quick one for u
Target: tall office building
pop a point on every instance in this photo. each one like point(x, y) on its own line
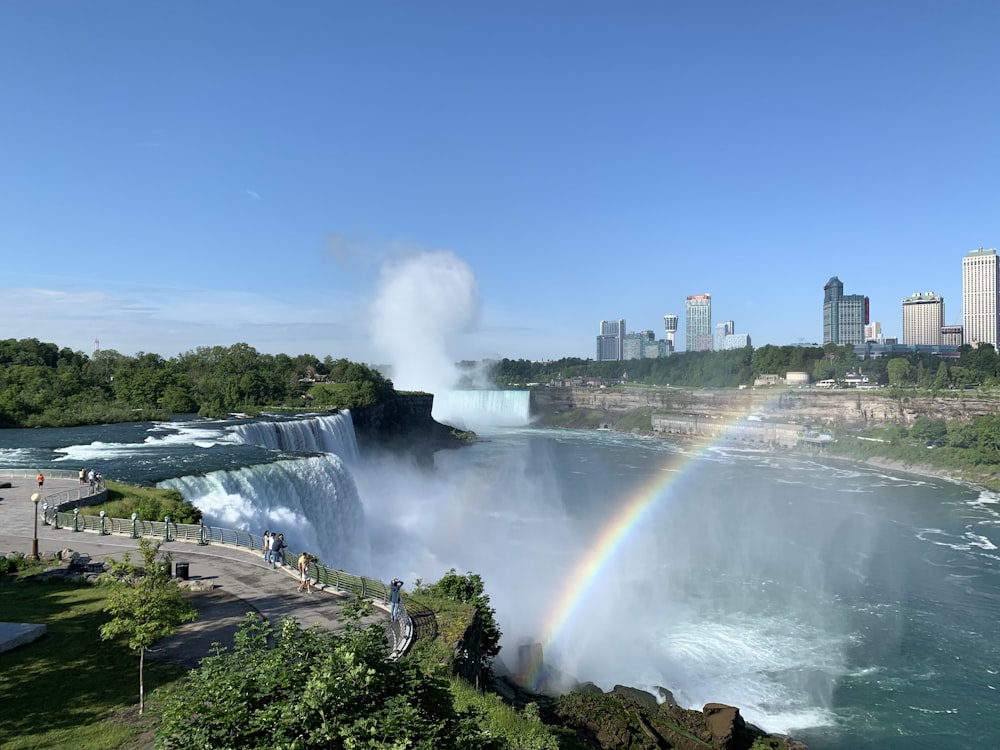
point(844, 315)
point(721, 331)
point(698, 323)
point(980, 289)
point(923, 318)
point(611, 341)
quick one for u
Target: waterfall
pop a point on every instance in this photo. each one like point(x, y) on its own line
point(313, 501)
point(332, 433)
point(475, 409)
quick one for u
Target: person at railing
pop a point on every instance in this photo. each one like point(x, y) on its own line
point(268, 539)
point(304, 580)
point(83, 475)
point(41, 480)
point(394, 595)
point(278, 550)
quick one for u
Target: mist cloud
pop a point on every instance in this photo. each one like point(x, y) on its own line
point(422, 303)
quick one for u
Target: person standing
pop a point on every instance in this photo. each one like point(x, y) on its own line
point(304, 580)
point(41, 479)
point(83, 474)
point(278, 550)
point(394, 595)
point(268, 538)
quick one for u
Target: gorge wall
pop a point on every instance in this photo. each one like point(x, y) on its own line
point(848, 409)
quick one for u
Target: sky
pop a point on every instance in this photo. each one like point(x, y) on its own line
point(375, 180)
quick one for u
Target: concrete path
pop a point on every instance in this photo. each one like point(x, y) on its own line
point(240, 580)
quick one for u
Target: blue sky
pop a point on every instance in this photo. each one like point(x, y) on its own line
point(351, 178)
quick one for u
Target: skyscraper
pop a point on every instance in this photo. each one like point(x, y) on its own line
point(844, 315)
point(923, 318)
point(980, 287)
point(698, 323)
point(611, 341)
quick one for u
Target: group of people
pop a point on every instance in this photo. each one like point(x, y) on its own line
point(274, 553)
point(91, 476)
point(274, 548)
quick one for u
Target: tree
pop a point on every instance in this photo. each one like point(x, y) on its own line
point(146, 604)
point(314, 689)
point(900, 371)
point(470, 589)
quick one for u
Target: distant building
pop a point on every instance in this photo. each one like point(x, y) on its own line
point(923, 318)
point(980, 290)
point(727, 338)
point(952, 336)
point(645, 345)
point(873, 332)
point(844, 316)
point(698, 323)
point(611, 341)
point(670, 326)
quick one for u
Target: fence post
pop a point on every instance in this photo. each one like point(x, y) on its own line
point(166, 528)
point(135, 533)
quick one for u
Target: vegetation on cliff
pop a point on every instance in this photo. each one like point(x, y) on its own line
point(964, 451)
point(44, 386)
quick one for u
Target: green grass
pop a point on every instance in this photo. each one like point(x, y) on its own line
point(149, 503)
point(69, 689)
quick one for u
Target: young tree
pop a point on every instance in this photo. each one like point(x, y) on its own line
point(146, 604)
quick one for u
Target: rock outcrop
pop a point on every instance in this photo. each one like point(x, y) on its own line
point(850, 409)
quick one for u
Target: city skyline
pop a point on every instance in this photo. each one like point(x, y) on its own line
point(475, 181)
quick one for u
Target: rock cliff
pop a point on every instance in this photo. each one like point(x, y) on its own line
point(848, 409)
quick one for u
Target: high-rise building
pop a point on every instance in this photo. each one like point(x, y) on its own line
point(844, 315)
point(698, 323)
point(611, 341)
point(923, 318)
point(721, 331)
point(980, 290)
point(670, 326)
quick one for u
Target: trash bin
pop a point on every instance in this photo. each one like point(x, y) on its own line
point(181, 570)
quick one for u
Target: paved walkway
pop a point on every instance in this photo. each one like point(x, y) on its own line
point(241, 581)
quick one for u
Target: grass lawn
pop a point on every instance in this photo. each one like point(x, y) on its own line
point(70, 689)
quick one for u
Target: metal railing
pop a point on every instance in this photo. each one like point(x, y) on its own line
point(399, 632)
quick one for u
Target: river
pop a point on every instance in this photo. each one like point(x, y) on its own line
point(850, 606)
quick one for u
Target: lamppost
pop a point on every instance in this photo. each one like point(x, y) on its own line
point(34, 542)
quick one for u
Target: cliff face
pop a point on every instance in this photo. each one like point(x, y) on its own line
point(851, 409)
point(403, 425)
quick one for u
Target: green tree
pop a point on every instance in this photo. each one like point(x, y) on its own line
point(313, 689)
point(470, 589)
point(900, 371)
point(146, 604)
point(941, 378)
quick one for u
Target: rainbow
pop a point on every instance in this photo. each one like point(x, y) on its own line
point(601, 551)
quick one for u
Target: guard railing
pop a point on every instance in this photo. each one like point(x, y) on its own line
point(399, 632)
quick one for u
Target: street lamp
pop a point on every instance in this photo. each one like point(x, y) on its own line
point(34, 542)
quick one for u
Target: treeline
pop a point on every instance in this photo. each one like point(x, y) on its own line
point(43, 385)
point(735, 367)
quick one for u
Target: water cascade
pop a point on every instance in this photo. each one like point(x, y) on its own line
point(332, 433)
point(313, 501)
point(477, 409)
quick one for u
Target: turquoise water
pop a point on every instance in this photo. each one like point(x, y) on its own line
point(852, 607)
